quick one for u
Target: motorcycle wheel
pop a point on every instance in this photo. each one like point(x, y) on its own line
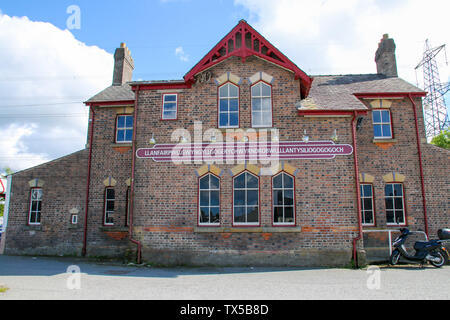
point(394, 258)
point(442, 259)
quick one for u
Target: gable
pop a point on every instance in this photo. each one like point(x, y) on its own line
point(244, 41)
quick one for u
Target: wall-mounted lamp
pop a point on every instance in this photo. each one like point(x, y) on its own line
point(335, 137)
point(244, 139)
point(275, 138)
point(152, 140)
point(359, 123)
point(183, 140)
point(305, 137)
point(213, 139)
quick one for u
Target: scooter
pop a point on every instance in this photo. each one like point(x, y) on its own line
point(432, 251)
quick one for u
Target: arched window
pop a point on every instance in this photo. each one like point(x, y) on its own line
point(283, 203)
point(209, 200)
point(228, 106)
point(261, 105)
point(246, 199)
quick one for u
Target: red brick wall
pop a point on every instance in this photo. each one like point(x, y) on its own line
point(166, 194)
point(64, 189)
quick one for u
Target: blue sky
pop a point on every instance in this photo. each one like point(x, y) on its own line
point(48, 70)
point(151, 29)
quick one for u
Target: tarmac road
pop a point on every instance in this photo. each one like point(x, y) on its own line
point(47, 278)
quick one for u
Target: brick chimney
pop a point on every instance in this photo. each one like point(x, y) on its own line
point(385, 57)
point(123, 65)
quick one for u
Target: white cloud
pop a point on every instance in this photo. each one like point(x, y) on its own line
point(14, 151)
point(179, 52)
point(340, 37)
point(46, 74)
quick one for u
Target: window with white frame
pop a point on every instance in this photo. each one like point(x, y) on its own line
point(261, 105)
point(34, 216)
point(170, 106)
point(283, 199)
point(246, 199)
point(228, 106)
point(382, 125)
point(110, 198)
point(367, 208)
point(209, 200)
point(124, 129)
point(395, 203)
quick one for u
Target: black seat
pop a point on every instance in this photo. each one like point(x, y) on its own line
point(419, 245)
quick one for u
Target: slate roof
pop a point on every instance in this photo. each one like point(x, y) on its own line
point(336, 92)
point(114, 93)
point(330, 92)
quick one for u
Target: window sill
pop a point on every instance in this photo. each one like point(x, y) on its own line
point(384, 140)
point(248, 229)
point(33, 227)
point(114, 229)
point(121, 145)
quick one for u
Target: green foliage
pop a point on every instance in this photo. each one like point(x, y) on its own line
point(6, 171)
point(1, 209)
point(442, 140)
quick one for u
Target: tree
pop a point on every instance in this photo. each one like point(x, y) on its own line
point(442, 140)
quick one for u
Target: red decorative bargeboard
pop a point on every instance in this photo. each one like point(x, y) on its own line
point(244, 151)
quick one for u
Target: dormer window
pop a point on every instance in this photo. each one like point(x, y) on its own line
point(229, 106)
point(261, 105)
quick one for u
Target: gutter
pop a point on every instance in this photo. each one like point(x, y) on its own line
point(358, 191)
point(419, 151)
point(133, 163)
point(91, 138)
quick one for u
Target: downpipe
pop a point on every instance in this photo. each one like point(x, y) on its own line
point(91, 138)
point(133, 163)
point(422, 182)
point(358, 192)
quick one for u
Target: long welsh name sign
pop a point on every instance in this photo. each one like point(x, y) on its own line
point(243, 151)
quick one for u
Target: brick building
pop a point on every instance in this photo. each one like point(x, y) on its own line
point(247, 160)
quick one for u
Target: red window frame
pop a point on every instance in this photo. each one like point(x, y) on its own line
point(283, 224)
point(30, 207)
point(381, 123)
point(126, 128)
point(105, 206)
point(176, 106)
point(246, 224)
point(127, 209)
point(405, 216)
point(271, 104)
point(373, 205)
point(218, 106)
point(198, 202)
